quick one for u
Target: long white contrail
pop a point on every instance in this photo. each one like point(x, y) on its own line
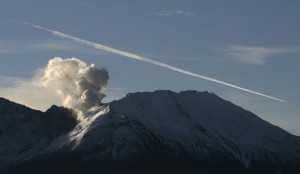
point(134, 56)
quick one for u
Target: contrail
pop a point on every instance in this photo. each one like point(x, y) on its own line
point(134, 56)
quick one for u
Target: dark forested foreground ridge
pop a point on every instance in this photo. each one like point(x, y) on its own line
point(149, 132)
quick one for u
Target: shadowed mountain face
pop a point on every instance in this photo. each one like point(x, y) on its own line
point(25, 132)
point(150, 132)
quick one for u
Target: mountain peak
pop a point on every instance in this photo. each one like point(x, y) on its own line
point(167, 132)
point(168, 94)
point(171, 92)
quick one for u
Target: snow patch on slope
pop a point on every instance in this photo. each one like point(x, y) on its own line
point(76, 135)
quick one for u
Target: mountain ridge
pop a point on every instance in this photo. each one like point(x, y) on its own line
point(165, 131)
point(24, 131)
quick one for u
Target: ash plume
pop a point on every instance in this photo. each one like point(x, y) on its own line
point(80, 86)
point(69, 82)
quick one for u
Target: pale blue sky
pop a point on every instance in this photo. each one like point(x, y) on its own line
point(254, 44)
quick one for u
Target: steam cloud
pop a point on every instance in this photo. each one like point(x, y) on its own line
point(80, 86)
point(70, 82)
point(141, 58)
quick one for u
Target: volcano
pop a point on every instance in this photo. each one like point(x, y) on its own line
point(145, 132)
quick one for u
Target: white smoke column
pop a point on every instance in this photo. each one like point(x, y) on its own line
point(80, 86)
point(141, 58)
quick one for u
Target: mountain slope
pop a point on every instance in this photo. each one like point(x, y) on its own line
point(164, 132)
point(24, 132)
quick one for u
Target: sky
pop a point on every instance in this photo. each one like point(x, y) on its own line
point(253, 44)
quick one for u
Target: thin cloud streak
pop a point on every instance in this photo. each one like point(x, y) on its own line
point(5, 50)
point(10, 81)
point(141, 58)
point(47, 45)
point(256, 55)
point(174, 13)
point(52, 46)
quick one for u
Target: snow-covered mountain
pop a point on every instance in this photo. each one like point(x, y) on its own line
point(153, 132)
